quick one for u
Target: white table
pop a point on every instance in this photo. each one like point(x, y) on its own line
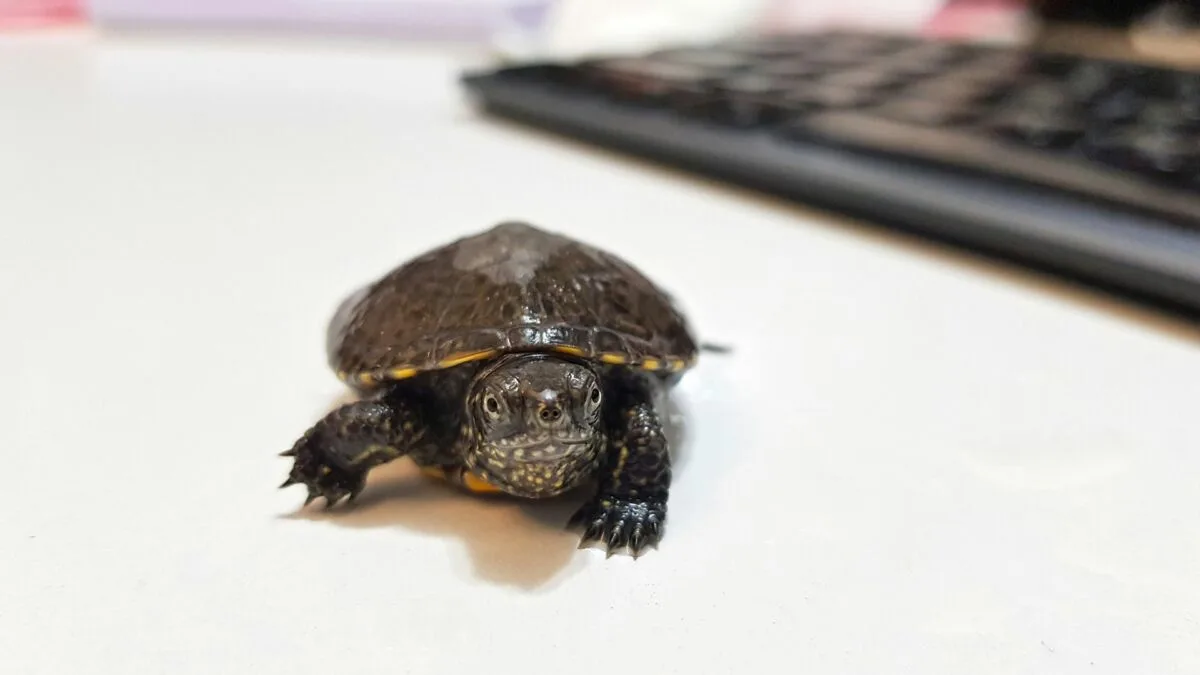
point(912, 462)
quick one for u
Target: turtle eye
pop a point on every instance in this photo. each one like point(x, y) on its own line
point(491, 405)
point(594, 396)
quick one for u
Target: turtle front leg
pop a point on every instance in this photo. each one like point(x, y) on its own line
point(630, 508)
point(333, 457)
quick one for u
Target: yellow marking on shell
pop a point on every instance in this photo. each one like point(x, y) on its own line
point(402, 373)
point(464, 357)
point(567, 349)
point(616, 359)
point(366, 378)
point(476, 484)
point(678, 364)
point(651, 364)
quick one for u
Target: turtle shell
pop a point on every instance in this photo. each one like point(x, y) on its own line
point(511, 288)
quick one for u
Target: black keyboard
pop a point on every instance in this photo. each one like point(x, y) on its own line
point(1077, 165)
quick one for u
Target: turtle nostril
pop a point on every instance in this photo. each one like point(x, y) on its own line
point(549, 414)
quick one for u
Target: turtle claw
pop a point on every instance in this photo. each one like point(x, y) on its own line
point(322, 479)
point(334, 487)
point(621, 523)
point(614, 541)
point(337, 494)
point(636, 541)
point(591, 534)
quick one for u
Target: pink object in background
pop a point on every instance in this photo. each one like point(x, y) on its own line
point(33, 13)
point(1002, 20)
point(980, 19)
point(892, 16)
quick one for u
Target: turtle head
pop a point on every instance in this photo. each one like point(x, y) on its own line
point(538, 424)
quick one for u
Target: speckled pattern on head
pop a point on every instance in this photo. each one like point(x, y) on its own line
point(511, 288)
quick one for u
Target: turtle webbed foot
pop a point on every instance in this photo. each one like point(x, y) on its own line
point(621, 522)
point(333, 457)
point(323, 479)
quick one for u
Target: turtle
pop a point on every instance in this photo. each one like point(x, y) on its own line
point(515, 361)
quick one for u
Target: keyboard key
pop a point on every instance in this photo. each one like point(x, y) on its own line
point(1087, 81)
point(823, 96)
point(1052, 65)
point(1119, 106)
point(999, 63)
point(926, 58)
point(744, 100)
point(1042, 95)
point(841, 55)
point(926, 112)
point(770, 47)
point(1161, 152)
point(716, 62)
point(952, 90)
point(1152, 82)
point(791, 69)
point(1043, 128)
point(1188, 94)
point(649, 80)
point(865, 78)
point(1168, 115)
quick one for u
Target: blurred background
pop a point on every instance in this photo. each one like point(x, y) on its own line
point(515, 28)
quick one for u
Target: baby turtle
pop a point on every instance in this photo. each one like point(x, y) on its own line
point(514, 361)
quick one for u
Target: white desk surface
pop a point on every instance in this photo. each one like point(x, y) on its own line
point(912, 463)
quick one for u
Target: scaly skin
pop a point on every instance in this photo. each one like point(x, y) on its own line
point(333, 457)
point(630, 508)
